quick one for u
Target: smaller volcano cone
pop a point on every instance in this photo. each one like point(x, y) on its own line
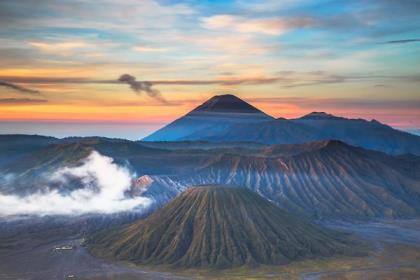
point(220, 227)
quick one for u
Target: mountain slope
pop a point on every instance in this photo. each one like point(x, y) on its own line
point(212, 117)
point(217, 226)
point(328, 180)
point(269, 132)
point(14, 146)
point(359, 132)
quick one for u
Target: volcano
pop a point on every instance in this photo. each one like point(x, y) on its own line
point(217, 226)
point(213, 117)
point(227, 103)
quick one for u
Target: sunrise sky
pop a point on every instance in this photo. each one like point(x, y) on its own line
point(61, 61)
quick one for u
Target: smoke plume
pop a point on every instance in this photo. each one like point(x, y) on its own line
point(104, 187)
point(139, 87)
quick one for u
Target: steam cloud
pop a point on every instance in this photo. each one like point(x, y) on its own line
point(104, 187)
point(139, 87)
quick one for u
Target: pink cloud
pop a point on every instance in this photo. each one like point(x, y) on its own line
point(268, 26)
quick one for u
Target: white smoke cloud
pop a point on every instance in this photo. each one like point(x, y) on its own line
point(104, 186)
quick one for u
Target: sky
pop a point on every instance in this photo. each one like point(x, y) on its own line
point(125, 68)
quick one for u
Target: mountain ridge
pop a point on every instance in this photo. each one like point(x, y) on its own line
point(325, 179)
point(227, 118)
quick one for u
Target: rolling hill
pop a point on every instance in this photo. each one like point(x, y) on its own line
point(214, 226)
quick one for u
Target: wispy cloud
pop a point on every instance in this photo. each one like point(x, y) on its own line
point(22, 101)
point(222, 43)
point(146, 86)
point(60, 46)
point(269, 26)
point(312, 103)
point(284, 78)
point(50, 80)
point(146, 49)
point(19, 88)
point(223, 82)
point(404, 41)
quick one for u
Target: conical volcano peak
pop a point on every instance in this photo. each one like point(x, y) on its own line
point(226, 103)
point(212, 117)
point(221, 227)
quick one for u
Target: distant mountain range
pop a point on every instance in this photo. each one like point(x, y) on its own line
point(219, 227)
point(226, 118)
point(321, 179)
